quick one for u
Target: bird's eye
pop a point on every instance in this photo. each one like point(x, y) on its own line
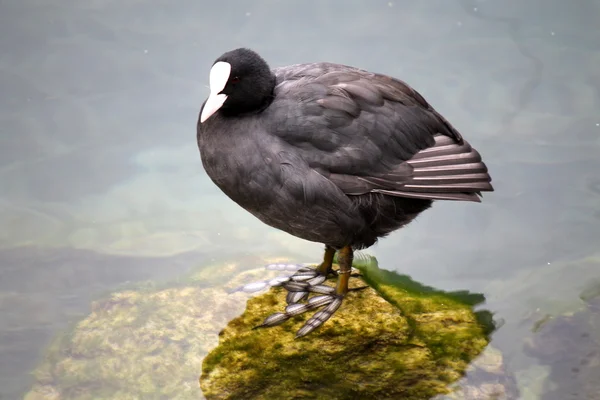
point(235, 79)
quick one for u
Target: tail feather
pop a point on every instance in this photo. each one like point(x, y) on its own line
point(444, 145)
point(432, 196)
point(452, 179)
point(457, 169)
point(446, 171)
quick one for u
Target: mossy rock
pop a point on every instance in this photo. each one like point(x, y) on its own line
point(402, 340)
point(147, 341)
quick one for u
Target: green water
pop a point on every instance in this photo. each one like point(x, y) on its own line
point(101, 183)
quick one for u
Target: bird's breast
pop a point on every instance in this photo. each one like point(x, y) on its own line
point(243, 169)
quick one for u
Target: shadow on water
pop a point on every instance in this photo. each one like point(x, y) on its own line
point(397, 339)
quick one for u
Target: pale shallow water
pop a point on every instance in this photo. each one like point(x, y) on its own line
point(101, 182)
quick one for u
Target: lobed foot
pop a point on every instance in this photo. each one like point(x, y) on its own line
point(332, 302)
point(302, 273)
point(257, 286)
point(308, 280)
point(303, 282)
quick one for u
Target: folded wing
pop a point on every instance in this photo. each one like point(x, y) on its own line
point(367, 133)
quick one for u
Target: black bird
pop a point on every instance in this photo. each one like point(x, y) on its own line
point(331, 154)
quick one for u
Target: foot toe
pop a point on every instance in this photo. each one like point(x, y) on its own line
point(292, 286)
point(321, 289)
point(295, 297)
point(308, 327)
point(319, 301)
point(317, 280)
point(296, 309)
point(278, 280)
point(301, 276)
point(274, 319)
point(333, 303)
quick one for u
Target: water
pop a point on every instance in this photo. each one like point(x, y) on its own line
point(101, 182)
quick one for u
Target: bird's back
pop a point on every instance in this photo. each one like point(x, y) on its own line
point(370, 133)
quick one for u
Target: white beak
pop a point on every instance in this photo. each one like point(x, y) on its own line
point(219, 75)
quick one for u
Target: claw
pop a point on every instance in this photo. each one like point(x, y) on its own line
point(356, 289)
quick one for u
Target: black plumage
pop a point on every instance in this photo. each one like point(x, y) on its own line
point(331, 153)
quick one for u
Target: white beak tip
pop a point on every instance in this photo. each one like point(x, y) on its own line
point(212, 105)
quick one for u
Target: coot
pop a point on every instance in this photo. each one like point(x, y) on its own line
point(331, 154)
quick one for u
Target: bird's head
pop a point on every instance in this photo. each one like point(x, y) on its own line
point(240, 82)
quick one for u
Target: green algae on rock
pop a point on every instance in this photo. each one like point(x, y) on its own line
point(402, 341)
point(145, 342)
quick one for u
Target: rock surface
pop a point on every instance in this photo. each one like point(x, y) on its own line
point(569, 345)
point(401, 341)
point(397, 338)
point(146, 342)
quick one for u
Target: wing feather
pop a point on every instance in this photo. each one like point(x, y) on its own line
point(368, 132)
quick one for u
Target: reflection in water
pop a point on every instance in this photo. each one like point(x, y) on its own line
point(97, 155)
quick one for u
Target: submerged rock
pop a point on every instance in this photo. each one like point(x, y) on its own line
point(145, 342)
point(486, 379)
point(397, 339)
point(569, 345)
